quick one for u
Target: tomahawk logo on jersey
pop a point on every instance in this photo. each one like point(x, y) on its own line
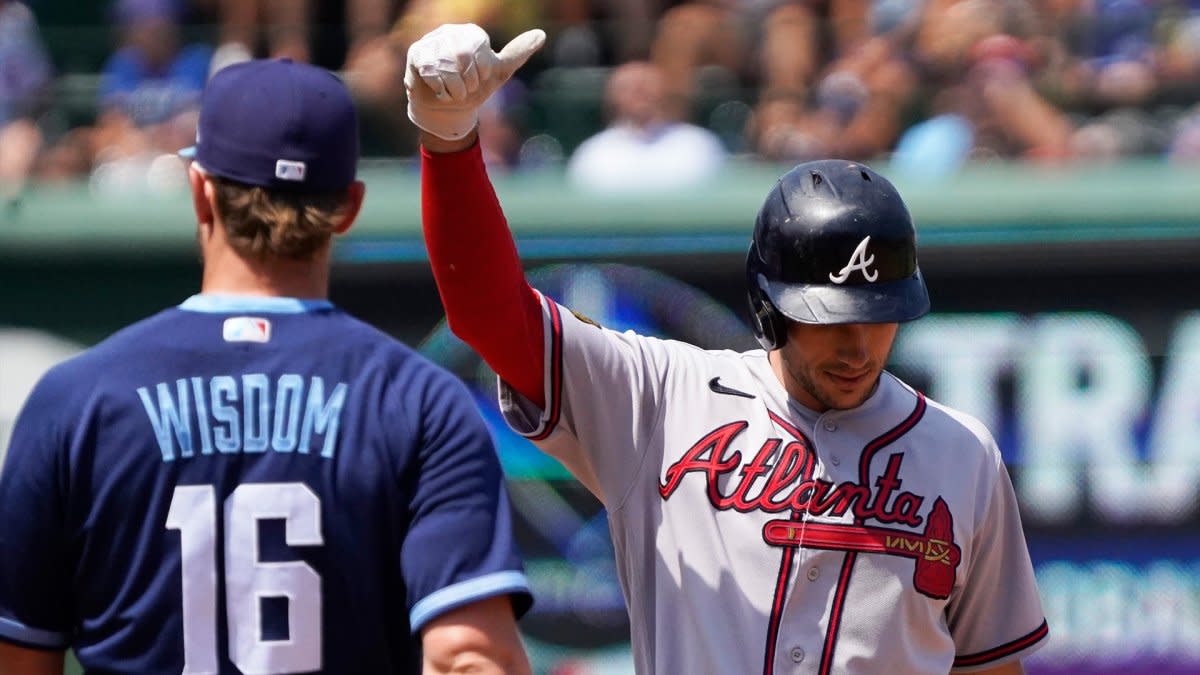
point(281, 489)
point(852, 512)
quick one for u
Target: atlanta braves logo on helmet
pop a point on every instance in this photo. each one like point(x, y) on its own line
point(859, 260)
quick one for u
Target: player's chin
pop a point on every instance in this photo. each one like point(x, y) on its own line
point(844, 391)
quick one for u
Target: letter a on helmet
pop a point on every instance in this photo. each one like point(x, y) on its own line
point(833, 243)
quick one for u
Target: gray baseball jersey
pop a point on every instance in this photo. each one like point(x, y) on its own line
point(753, 535)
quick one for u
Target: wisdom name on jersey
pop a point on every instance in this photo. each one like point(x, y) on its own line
point(248, 413)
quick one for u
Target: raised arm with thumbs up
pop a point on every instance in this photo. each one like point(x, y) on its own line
point(451, 72)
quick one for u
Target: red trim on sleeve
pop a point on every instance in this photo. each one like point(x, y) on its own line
point(1007, 649)
point(488, 302)
point(556, 373)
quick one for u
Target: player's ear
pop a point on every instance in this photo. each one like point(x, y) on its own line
point(355, 194)
point(201, 203)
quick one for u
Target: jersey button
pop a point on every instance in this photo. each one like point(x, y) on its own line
point(797, 654)
point(830, 425)
point(813, 573)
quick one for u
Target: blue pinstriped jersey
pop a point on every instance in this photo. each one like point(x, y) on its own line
point(248, 484)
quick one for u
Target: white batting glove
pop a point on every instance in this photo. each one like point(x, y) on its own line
point(453, 70)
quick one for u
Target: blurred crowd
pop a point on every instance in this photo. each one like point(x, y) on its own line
point(635, 94)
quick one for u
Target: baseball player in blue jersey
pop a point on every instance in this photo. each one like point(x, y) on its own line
point(253, 481)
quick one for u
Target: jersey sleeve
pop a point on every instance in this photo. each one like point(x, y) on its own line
point(603, 391)
point(460, 546)
point(997, 616)
point(35, 574)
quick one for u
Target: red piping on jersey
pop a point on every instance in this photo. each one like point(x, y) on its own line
point(556, 374)
point(1006, 649)
point(781, 584)
point(790, 428)
point(785, 566)
point(888, 437)
point(835, 613)
point(488, 302)
point(864, 469)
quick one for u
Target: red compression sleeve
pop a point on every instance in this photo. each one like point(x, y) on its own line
point(488, 302)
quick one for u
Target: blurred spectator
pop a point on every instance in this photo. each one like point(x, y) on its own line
point(994, 111)
point(152, 78)
point(954, 35)
point(855, 111)
point(934, 148)
point(942, 81)
point(282, 24)
point(1119, 134)
point(149, 96)
point(1010, 117)
point(331, 33)
point(642, 149)
point(502, 17)
point(24, 75)
point(1118, 57)
point(581, 32)
point(499, 133)
point(374, 67)
point(781, 46)
point(591, 33)
point(1180, 57)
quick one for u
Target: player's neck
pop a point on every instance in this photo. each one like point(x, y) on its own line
point(793, 388)
point(229, 274)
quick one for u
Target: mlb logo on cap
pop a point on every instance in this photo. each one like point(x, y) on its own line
point(288, 170)
point(278, 124)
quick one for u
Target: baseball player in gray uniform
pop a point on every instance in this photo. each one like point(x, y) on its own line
point(794, 509)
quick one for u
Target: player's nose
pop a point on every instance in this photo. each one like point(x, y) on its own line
point(852, 345)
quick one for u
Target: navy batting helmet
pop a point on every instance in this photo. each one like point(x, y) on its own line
point(833, 243)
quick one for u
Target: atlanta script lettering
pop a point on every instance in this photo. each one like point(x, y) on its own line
point(780, 479)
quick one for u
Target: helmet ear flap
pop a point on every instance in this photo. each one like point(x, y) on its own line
point(770, 327)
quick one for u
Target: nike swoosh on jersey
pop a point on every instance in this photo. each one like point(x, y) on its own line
point(718, 388)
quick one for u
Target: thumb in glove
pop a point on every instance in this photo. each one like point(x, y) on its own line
point(451, 72)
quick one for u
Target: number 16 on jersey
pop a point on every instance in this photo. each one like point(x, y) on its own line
point(247, 579)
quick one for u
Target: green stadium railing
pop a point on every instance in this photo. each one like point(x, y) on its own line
point(986, 205)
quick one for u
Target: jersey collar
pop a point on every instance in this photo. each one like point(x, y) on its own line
point(215, 303)
point(881, 399)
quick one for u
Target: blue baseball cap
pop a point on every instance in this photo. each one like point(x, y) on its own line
point(277, 124)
